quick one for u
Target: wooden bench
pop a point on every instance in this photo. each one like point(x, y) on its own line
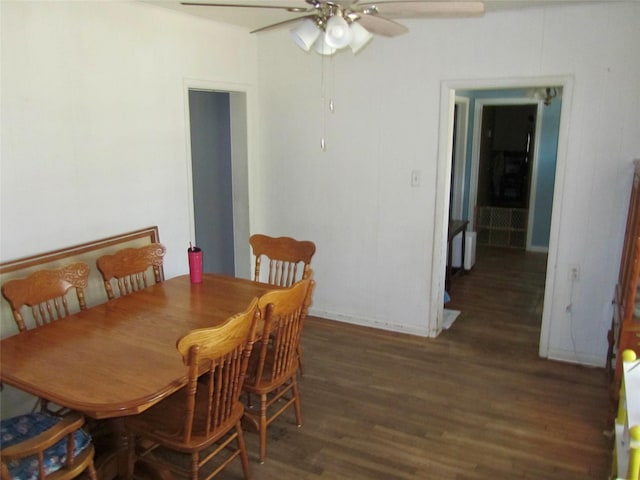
point(12, 401)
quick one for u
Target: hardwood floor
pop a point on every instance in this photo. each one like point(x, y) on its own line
point(474, 403)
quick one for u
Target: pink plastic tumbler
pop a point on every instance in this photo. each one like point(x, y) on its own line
point(195, 264)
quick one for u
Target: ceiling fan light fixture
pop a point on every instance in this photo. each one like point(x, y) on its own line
point(337, 33)
point(336, 21)
point(305, 34)
point(360, 37)
point(321, 47)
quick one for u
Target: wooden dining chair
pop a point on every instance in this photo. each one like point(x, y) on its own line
point(36, 446)
point(273, 365)
point(208, 409)
point(289, 261)
point(128, 268)
point(45, 292)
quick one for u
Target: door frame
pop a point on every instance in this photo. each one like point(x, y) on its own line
point(459, 156)
point(242, 111)
point(443, 184)
point(479, 105)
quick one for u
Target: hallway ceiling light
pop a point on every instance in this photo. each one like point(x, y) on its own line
point(549, 94)
point(546, 94)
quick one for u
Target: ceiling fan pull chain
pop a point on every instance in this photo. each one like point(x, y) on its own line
point(333, 83)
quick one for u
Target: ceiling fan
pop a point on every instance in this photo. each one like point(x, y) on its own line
point(331, 25)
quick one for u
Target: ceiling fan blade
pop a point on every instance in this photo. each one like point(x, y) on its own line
point(382, 26)
point(425, 9)
point(344, 4)
point(282, 24)
point(241, 5)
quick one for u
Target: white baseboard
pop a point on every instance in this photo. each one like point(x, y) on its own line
point(367, 322)
point(569, 356)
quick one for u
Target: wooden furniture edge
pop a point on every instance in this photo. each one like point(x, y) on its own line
point(25, 262)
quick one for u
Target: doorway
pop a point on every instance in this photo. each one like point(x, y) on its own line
point(552, 197)
point(210, 120)
point(459, 156)
point(217, 128)
point(506, 156)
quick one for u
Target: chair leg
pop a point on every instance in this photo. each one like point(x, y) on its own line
point(296, 402)
point(92, 471)
point(263, 427)
point(299, 353)
point(195, 457)
point(242, 446)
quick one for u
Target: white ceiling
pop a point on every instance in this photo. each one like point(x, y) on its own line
point(253, 18)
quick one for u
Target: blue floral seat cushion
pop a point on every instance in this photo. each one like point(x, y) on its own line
point(18, 429)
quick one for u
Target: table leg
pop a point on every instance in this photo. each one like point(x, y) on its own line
point(112, 454)
point(106, 437)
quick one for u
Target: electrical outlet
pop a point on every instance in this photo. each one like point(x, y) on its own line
point(574, 273)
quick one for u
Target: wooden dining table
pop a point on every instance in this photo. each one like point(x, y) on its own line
point(120, 358)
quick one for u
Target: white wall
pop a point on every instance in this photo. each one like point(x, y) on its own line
point(374, 232)
point(94, 143)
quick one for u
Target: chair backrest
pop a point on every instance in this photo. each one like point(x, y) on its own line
point(45, 291)
point(288, 258)
point(225, 350)
point(37, 446)
point(275, 357)
point(128, 268)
